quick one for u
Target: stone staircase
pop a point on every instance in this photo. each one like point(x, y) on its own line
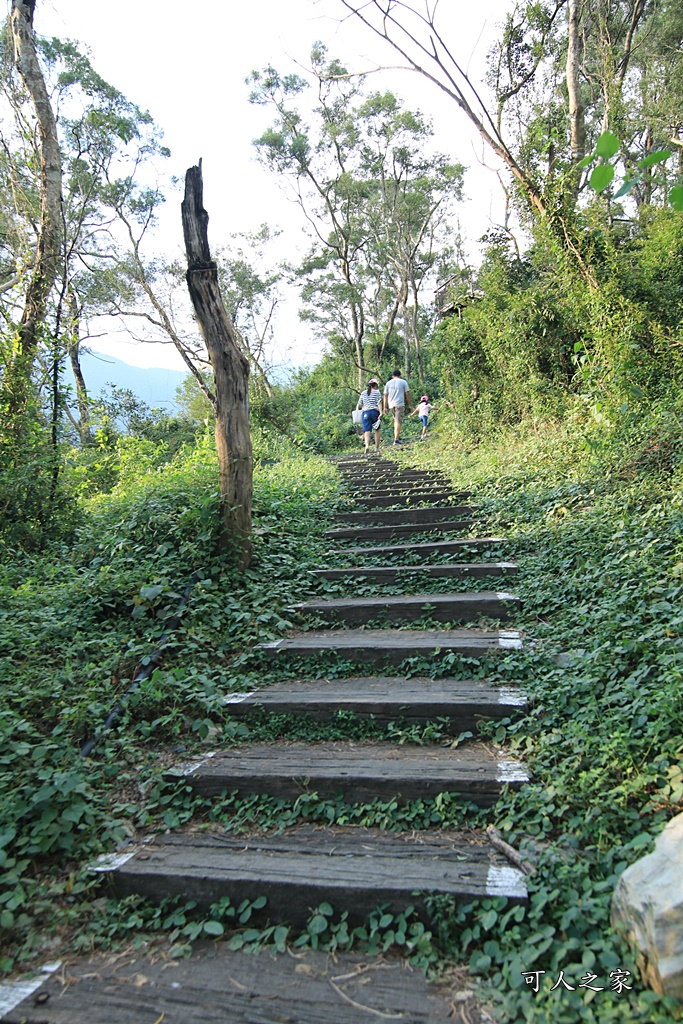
point(352, 868)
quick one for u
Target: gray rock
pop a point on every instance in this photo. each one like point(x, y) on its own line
point(647, 906)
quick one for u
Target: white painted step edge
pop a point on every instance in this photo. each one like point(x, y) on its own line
point(14, 992)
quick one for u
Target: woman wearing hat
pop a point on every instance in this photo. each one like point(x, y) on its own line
point(369, 403)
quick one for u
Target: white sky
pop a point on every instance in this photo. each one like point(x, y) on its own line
point(186, 63)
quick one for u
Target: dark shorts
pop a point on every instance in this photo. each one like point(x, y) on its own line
point(369, 417)
point(425, 420)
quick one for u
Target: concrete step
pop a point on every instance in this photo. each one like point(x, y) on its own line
point(386, 699)
point(359, 771)
point(393, 646)
point(444, 547)
point(405, 529)
point(392, 573)
point(354, 870)
point(455, 607)
point(215, 985)
point(386, 517)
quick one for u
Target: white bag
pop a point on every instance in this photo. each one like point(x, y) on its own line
point(357, 416)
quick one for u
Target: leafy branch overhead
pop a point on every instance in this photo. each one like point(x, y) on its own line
point(602, 175)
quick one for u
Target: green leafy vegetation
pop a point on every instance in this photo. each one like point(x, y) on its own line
point(556, 369)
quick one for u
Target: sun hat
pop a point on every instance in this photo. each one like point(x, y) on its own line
point(373, 380)
point(424, 399)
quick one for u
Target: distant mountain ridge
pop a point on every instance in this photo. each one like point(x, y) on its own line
point(156, 386)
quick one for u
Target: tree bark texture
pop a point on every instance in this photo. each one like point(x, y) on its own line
point(74, 347)
point(48, 254)
point(576, 114)
point(230, 370)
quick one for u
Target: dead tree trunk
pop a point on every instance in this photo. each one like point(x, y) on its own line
point(230, 371)
point(50, 234)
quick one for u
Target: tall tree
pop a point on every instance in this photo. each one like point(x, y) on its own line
point(105, 144)
point(49, 240)
point(375, 199)
point(318, 164)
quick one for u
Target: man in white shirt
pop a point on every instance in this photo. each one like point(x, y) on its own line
point(396, 392)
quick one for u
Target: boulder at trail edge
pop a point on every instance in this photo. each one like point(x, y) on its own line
point(647, 906)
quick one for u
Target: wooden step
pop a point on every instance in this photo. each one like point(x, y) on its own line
point(352, 869)
point(393, 646)
point(215, 985)
point(455, 607)
point(386, 699)
point(386, 517)
point(359, 771)
point(405, 529)
point(359, 461)
point(403, 487)
point(391, 573)
point(407, 500)
point(445, 547)
point(380, 479)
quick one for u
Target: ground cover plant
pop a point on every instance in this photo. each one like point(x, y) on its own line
point(595, 517)
point(76, 621)
point(597, 532)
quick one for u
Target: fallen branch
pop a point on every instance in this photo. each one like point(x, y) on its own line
point(523, 862)
point(366, 1009)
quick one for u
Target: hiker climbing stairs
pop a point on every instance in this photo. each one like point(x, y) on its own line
point(352, 868)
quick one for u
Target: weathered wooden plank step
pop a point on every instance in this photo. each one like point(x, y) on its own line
point(370, 533)
point(392, 573)
point(386, 517)
point(386, 699)
point(352, 869)
point(361, 466)
point(427, 548)
point(407, 500)
point(216, 985)
point(372, 490)
point(392, 646)
point(393, 478)
point(360, 772)
point(454, 607)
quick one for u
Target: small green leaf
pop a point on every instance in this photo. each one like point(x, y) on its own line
point(601, 177)
point(317, 925)
point(489, 919)
point(658, 157)
point(627, 185)
point(588, 160)
point(676, 197)
point(7, 835)
point(607, 145)
point(213, 928)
